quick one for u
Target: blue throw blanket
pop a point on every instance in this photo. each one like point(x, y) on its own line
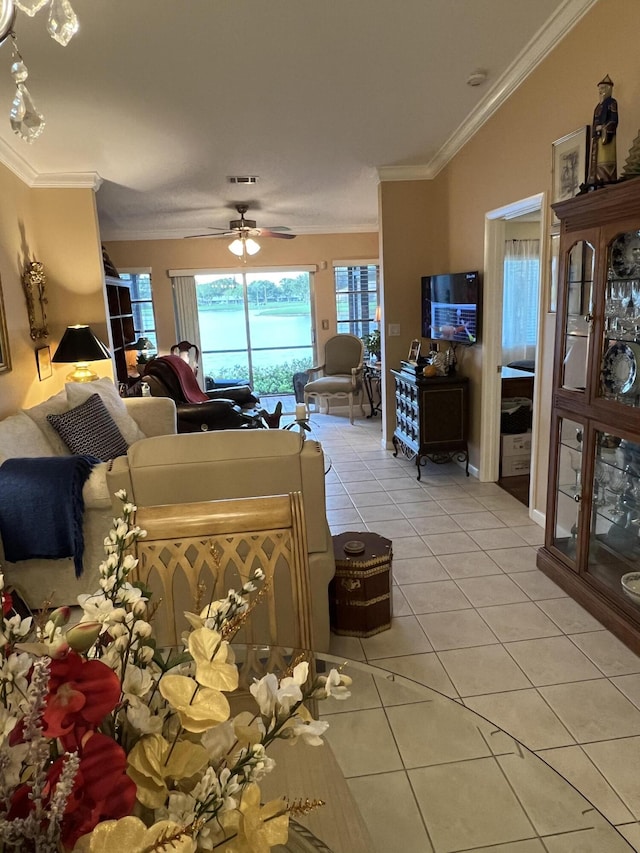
point(42, 508)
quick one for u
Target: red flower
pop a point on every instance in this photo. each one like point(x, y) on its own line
point(101, 790)
point(81, 694)
point(7, 603)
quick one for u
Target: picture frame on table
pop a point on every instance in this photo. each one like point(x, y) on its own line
point(43, 360)
point(570, 155)
point(414, 352)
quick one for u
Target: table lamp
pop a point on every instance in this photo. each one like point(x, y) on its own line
point(79, 346)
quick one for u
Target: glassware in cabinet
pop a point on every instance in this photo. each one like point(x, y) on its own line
point(620, 364)
point(614, 543)
point(568, 492)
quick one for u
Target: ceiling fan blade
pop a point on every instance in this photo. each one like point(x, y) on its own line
point(220, 234)
point(269, 232)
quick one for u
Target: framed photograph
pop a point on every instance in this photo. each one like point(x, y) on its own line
point(414, 352)
point(569, 165)
point(43, 360)
point(5, 358)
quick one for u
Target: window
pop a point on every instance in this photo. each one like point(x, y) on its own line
point(520, 300)
point(144, 322)
point(357, 300)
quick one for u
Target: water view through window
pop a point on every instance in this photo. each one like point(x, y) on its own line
point(256, 328)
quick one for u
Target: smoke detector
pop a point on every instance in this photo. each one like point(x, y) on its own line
point(243, 179)
point(477, 78)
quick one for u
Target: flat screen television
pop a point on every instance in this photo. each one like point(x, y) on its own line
point(451, 307)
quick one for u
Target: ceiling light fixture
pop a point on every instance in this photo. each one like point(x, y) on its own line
point(477, 78)
point(243, 246)
point(62, 25)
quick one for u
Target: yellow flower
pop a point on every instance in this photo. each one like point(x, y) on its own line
point(210, 654)
point(130, 834)
point(198, 709)
point(258, 828)
point(152, 761)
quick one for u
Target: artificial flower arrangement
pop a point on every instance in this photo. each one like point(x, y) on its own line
point(109, 743)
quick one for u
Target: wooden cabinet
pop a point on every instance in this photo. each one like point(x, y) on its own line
point(432, 415)
point(593, 509)
point(121, 323)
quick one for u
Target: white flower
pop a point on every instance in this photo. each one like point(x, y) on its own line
point(145, 654)
point(310, 732)
point(335, 684)
point(137, 682)
point(142, 719)
point(265, 692)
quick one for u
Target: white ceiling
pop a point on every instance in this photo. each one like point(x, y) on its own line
point(164, 99)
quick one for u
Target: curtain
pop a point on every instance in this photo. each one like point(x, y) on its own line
point(186, 313)
point(520, 300)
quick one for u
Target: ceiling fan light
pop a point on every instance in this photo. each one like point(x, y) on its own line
point(236, 247)
point(251, 246)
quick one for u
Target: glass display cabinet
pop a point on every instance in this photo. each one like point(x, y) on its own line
point(592, 536)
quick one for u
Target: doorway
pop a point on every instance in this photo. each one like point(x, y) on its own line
point(256, 327)
point(496, 231)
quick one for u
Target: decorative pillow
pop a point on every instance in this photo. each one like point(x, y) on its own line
point(38, 414)
point(78, 392)
point(90, 429)
point(19, 436)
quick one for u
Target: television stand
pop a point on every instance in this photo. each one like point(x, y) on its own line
point(432, 416)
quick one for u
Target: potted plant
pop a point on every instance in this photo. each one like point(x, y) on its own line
point(372, 343)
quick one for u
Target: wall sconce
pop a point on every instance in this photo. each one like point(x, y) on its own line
point(79, 346)
point(33, 283)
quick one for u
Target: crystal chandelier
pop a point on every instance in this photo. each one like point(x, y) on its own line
point(62, 25)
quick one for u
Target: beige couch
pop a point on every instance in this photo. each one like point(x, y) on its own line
point(27, 434)
point(237, 464)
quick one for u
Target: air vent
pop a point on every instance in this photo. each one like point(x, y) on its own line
point(242, 179)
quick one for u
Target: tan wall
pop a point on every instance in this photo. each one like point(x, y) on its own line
point(59, 228)
point(510, 159)
point(164, 255)
point(414, 242)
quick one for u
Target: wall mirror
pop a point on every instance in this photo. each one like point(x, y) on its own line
point(33, 282)
point(5, 359)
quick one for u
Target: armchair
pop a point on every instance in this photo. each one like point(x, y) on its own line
point(229, 408)
point(341, 373)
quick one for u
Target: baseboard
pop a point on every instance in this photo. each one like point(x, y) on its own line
point(539, 517)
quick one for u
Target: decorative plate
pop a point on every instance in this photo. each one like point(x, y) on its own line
point(620, 368)
point(631, 586)
point(625, 255)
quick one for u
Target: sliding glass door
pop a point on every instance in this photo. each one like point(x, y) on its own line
point(256, 327)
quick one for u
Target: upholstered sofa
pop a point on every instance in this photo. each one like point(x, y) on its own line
point(162, 467)
point(238, 464)
point(28, 434)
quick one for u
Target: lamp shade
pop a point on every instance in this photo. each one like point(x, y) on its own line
point(79, 346)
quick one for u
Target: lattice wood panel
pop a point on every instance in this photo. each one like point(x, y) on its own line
point(194, 553)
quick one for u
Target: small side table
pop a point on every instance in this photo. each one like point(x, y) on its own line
point(360, 592)
point(372, 376)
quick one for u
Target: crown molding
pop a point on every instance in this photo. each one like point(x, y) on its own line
point(17, 164)
point(406, 173)
point(70, 180)
point(543, 42)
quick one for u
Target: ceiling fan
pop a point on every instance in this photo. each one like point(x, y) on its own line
point(246, 229)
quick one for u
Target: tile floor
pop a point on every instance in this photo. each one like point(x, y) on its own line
point(476, 620)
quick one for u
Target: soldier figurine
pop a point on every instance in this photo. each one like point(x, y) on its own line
point(602, 160)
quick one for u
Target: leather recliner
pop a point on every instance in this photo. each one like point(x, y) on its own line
point(200, 411)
